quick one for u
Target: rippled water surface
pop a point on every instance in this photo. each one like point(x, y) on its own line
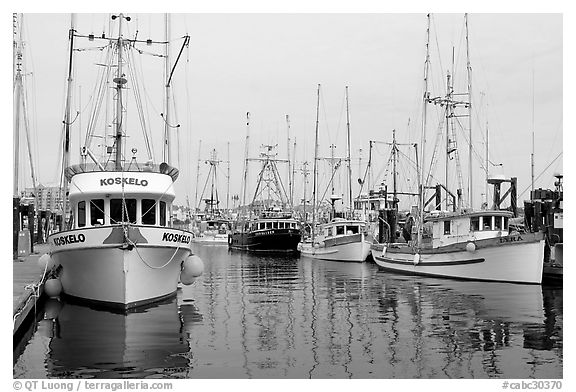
point(290, 317)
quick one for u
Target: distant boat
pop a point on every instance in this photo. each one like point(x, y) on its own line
point(463, 243)
point(340, 239)
point(268, 225)
point(213, 232)
point(214, 227)
point(120, 250)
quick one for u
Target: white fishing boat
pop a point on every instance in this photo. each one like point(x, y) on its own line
point(463, 243)
point(213, 228)
point(471, 245)
point(213, 232)
point(119, 248)
point(340, 239)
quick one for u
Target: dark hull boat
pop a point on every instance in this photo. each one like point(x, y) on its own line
point(266, 235)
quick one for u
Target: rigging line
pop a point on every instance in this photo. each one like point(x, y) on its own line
point(175, 112)
point(138, 71)
point(541, 173)
point(101, 90)
point(139, 106)
point(325, 123)
point(476, 153)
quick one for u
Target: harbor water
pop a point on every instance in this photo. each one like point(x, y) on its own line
point(264, 316)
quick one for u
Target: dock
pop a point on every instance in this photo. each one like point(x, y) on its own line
point(27, 289)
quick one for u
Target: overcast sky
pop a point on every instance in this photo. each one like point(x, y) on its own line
point(270, 65)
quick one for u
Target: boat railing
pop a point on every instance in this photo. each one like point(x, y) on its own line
point(132, 166)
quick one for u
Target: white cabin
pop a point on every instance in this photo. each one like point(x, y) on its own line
point(450, 228)
point(104, 198)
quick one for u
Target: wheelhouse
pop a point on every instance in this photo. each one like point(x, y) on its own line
point(448, 228)
point(341, 227)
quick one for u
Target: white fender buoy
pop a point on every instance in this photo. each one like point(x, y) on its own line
point(416, 260)
point(316, 245)
point(52, 309)
point(471, 247)
point(193, 266)
point(53, 288)
point(46, 262)
point(321, 244)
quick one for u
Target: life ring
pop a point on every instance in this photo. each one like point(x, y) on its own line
point(230, 239)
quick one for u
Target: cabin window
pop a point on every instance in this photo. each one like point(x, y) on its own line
point(130, 210)
point(475, 224)
point(115, 211)
point(82, 214)
point(97, 212)
point(162, 213)
point(505, 223)
point(329, 232)
point(148, 212)
point(261, 226)
point(487, 223)
point(447, 227)
point(281, 225)
point(339, 230)
point(352, 229)
point(268, 225)
point(274, 225)
point(497, 223)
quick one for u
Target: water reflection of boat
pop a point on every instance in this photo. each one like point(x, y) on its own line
point(86, 342)
point(356, 271)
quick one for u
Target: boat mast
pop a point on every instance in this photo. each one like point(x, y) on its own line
point(293, 172)
point(486, 169)
point(469, 72)
point(119, 80)
point(349, 159)
point(167, 153)
point(228, 179)
point(449, 114)
point(532, 155)
point(289, 162)
point(315, 169)
point(394, 174)
point(423, 137)
point(22, 100)
point(17, 99)
point(305, 173)
point(66, 157)
point(244, 184)
point(196, 204)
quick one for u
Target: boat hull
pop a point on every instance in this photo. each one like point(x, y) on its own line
point(353, 248)
point(105, 269)
point(517, 259)
point(269, 241)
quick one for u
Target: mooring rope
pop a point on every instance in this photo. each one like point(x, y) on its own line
point(140, 256)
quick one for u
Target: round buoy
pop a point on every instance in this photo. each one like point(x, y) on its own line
point(52, 309)
point(53, 288)
point(316, 245)
point(193, 266)
point(416, 260)
point(321, 244)
point(471, 247)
